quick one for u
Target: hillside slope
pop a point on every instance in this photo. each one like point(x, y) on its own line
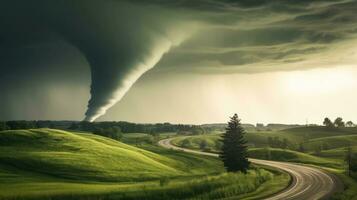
point(54, 164)
point(80, 156)
point(313, 132)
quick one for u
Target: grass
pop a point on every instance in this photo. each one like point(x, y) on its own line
point(350, 188)
point(313, 132)
point(80, 156)
point(311, 138)
point(338, 153)
point(254, 139)
point(144, 138)
point(293, 156)
point(332, 142)
point(135, 135)
point(265, 153)
point(54, 164)
point(210, 187)
point(212, 141)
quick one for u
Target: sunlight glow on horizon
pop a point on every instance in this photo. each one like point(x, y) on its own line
point(271, 97)
point(320, 80)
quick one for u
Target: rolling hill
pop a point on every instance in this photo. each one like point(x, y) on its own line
point(310, 137)
point(293, 156)
point(80, 156)
point(56, 164)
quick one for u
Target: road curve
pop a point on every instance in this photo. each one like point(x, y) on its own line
point(307, 183)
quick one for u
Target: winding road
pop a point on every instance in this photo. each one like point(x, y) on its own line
point(307, 183)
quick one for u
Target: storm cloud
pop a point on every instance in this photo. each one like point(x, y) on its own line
point(121, 40)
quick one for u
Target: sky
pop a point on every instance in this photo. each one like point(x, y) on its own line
point(277, 61)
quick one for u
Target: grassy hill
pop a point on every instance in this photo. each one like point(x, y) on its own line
point(293, 156)
point(312, 132)
point(54, 164)
point(67, 162)
point(80, 156)
point(331, 143)
point(322, 147)
point(254, 139)
point(263, 153)
point(311, 138)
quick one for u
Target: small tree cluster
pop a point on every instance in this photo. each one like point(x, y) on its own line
point(111, 132)
point(15, 125)
point(328, 123)
point(337, 123)
point(350, 124)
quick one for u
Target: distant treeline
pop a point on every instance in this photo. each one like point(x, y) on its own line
point(125, 127)
point(22, 124)
point(128, 127)
point(250, 127)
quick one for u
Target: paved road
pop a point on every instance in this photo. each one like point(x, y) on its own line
point(308, 183)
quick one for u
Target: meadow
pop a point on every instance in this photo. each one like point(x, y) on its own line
point(57, 164)
point(317, 146)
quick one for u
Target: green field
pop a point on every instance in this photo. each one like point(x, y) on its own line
point(322, 147)
point(310, 138)
point(138, 139)
point(47, 163)
point(294, 156)
point(331, 142)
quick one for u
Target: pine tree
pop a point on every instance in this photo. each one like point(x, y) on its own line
point(234, 150)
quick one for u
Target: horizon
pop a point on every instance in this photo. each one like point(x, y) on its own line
point(163, 122)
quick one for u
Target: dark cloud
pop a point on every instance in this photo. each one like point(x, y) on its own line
point(274, 33)
point(121, 40)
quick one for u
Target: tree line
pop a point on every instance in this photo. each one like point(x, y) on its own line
point(337, 123)
point(129, 127)
point(103, 128)
point(22, 124)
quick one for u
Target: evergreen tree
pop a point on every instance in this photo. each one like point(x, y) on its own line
point(234, 150)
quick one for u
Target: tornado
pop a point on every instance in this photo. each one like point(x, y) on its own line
point(115, 70)
point(120, 40)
